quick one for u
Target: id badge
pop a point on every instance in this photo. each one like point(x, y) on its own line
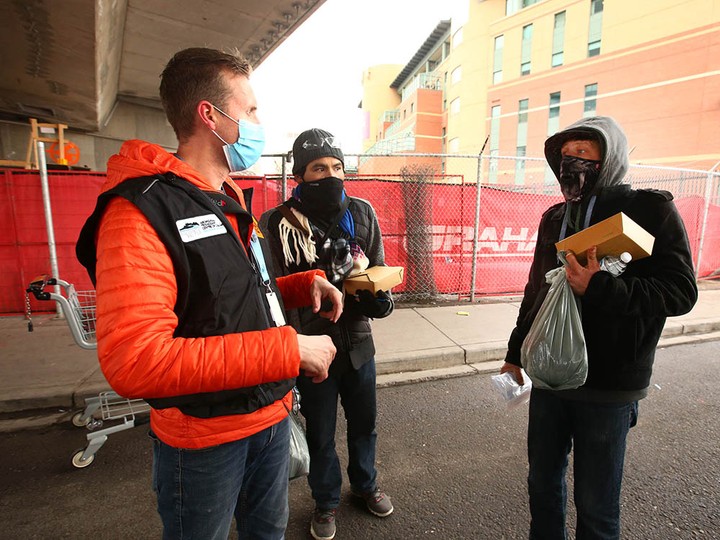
point(275, 309)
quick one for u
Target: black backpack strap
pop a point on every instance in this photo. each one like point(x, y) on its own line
point(292, 218)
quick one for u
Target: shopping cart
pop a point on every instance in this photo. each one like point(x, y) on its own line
point(78, 308)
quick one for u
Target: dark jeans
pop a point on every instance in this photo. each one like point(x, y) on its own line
point(598, 432)
point(199, 491)
point(318, 404)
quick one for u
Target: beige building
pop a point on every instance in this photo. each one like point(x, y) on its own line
point(515, 71)
point(378, 96)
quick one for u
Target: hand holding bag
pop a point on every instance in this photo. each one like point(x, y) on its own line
point(554, 353)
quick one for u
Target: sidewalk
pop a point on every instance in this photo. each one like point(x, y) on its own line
point(45, 371)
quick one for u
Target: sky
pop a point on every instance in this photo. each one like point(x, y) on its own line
point(314, 78)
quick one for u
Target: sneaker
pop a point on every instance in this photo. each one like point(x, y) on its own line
point(322, 526)
point(377, 502)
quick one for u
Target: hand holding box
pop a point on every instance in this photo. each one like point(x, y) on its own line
point(374, 279)
point(612, 236)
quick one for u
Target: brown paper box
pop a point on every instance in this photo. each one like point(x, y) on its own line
point(612, 236)
point(374, 279)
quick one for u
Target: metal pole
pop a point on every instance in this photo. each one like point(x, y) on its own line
point(476, 232)
point(708, 186)
point(285, 159)
point(42, 165)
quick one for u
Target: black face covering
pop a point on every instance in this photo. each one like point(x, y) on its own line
point(578, 177)
point(321, 198)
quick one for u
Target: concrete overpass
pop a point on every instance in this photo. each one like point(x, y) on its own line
point(95, 64)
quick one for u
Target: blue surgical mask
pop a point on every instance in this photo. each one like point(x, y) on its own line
point(244, 153)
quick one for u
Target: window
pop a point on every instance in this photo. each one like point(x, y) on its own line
point(590, 105)
point(520, 166)
point(553, 127)
point(558, 39)
point(512, 6)
point(522, 130)
point(522, 122)
point(457, 38)
point(498, 58)
point(456, 75)
point(526, 51)
point(595, 34)
point(554, 113)
point(412, 108)
point(455, 106)
point(494, 142)
point(495, 128)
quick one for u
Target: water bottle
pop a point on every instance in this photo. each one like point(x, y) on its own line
point(615, 264)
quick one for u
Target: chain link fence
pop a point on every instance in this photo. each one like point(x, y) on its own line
point(465, 226)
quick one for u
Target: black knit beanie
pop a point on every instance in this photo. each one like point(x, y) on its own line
point(311, 145)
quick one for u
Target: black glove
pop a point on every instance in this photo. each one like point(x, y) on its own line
point(375, 307)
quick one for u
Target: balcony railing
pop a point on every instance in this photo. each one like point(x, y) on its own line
point(389, 116)
point(426, 81)
point(390, 146)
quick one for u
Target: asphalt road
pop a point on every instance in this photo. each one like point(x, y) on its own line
point(450, 455)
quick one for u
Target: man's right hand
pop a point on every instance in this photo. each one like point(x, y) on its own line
point(316, 354)
point(515, 370)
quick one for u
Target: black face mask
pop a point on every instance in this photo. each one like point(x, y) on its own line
point(321, 198)
point(578, 177)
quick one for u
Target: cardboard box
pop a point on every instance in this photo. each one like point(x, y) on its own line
point(374, 279)
point(612, 236)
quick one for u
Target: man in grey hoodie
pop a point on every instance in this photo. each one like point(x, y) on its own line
point(622, 319)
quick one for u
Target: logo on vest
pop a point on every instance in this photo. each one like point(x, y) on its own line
point(198, 227)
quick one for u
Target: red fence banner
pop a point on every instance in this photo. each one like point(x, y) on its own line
point(431, 228)
point(24, 251)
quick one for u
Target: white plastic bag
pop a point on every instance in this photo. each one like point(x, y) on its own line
point(299, 453)
point(509, 391)
point(554, 353)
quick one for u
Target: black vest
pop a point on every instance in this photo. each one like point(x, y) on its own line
point(219, 290)
point(352, 334)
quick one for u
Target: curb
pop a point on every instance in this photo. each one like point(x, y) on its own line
point(392, 370)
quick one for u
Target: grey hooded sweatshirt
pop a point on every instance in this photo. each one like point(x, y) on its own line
point(623, 316)
point(613, 167)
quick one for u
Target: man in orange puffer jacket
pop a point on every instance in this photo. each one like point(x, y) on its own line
point(188, 315)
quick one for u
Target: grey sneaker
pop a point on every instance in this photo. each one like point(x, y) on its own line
point(322, 526)
point(377, 502)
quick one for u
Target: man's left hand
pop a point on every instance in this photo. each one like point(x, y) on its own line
point(324, 292)
point(578, 276)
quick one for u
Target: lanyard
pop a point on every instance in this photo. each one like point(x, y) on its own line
point(588, 215)
point(259, 259)
point(276, 312)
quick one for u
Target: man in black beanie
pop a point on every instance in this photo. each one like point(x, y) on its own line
point(321, 227)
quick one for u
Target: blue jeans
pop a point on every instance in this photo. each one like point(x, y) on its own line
point(598, 432)
point(199, 491)
point(318, 404)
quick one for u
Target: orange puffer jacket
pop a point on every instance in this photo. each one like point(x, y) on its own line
point(136, 293)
